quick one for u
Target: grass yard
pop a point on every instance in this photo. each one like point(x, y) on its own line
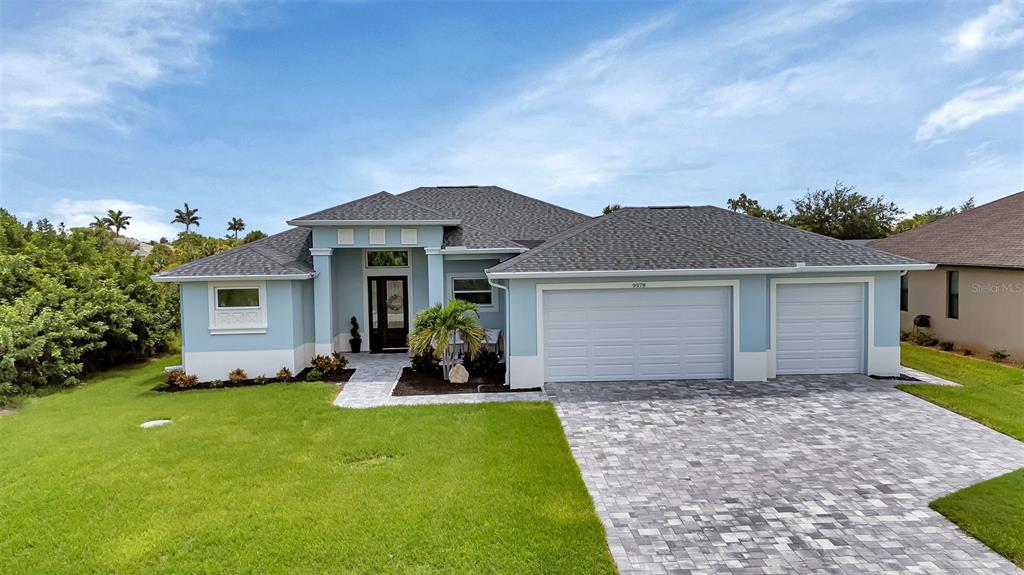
point(993, 394)
point(274, 479)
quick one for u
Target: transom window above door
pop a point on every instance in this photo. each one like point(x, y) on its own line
point(387, 258)
point(473, 289)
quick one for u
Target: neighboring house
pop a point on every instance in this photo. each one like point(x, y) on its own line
point(641, 293)
point(975, 297)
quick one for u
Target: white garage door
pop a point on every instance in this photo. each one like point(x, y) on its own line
point(636, 334)
point(820, 328)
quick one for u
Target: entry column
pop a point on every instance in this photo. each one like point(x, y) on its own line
point(323, 301)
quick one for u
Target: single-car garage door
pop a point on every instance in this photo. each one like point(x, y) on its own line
point(820, 328)
point(637, 334)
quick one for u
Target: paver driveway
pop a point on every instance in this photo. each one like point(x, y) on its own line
point(803, 474)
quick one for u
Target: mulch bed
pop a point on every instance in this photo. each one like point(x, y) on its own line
point(415, 383)
point(301, 377)
point(899, 377)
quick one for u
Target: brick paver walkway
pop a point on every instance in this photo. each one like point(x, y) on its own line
point(798, 475)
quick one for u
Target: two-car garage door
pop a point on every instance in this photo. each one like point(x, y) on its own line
point(686, 332)
point(637, 334)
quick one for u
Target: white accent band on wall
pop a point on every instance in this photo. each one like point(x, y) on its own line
point(210, 365)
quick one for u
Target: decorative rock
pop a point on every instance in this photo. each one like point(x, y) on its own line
point(155, 423)
point(458, 374)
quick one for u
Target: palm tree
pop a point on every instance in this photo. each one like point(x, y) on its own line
point(100, 223)
point(187, 217)
point(236, 225)
point(436, 327)
point(117, 220)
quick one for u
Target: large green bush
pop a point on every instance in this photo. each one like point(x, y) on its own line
point(72, 301)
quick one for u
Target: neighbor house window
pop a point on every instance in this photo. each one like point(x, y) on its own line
point(387, 258)
point(953, 295)
point(473, 289)
point(238, 297)
point(905, 292)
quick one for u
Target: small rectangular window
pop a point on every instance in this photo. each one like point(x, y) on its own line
point(238, 297)
point(905, 292)
point(475, 290)
point(387, 259)
point(953, 295)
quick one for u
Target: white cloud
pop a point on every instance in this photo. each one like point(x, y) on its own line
point(85, 61)
point(654, 105)
point(973, 105)
point(147, 223)
point(1001, 26)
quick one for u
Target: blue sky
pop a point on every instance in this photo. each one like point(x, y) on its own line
point(267, 111)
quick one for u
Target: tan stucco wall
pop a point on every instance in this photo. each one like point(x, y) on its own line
point(991, 308)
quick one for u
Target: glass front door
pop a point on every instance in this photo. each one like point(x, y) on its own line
point(389, 312)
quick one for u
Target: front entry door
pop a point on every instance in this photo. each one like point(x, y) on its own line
point(389, 312)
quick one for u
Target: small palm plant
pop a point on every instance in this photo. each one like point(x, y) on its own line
point(436, 326)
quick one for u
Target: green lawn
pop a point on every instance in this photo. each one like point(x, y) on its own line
point(276, 480)
point(993, 394)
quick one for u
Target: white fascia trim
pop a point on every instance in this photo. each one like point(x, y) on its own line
point(711, 271)
point(311, 223)
point(182, 279)
point(460, 250)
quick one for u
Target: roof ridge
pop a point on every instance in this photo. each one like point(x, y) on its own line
point(412, 203)
point(553, 241)
point(707, 243)
point(506, 190)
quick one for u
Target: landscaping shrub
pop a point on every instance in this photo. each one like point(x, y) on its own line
point(904, 335)
point(259, 380)
point(329, 365)
point(924, 337)
point(998, 354)
point(171, 377)
point(426, 363)
point(946, 345)
point(237, 375)
point(968, 352)
point(185, 381)
point(217, 383)
point(315, 375)
point(485, 363)
point(72, 302)
point(284, 374)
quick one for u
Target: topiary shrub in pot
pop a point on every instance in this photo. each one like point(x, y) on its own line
point(356, 343)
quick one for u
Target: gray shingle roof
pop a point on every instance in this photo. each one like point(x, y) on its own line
point(381, 206)
point(286, 253)
point(475, 238)
point(991, 235)
point(699, 237)
point(501, 212)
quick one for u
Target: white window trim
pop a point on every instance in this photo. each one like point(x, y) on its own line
point(377, 236)
point(260, 326)
point(450, 282)
point(409, 236)
point(371, 269)
point(346, 236)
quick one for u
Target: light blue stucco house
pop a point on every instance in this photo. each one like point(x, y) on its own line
point(674, 292)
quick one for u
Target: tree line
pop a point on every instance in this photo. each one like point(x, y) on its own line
point(840, 212)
